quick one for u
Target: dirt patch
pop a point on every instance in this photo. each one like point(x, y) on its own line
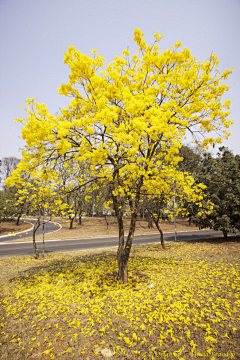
point(10, 227)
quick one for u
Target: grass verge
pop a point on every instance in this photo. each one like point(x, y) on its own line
point(180, 303)
point(10, 227)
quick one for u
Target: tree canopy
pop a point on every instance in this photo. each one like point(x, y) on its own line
point(124, 126)
point(221, 175)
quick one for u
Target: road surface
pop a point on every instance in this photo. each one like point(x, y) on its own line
point(26, 248)
point(48, 227)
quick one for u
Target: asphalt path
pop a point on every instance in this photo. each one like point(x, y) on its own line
point(26, 248)
point(48, 227)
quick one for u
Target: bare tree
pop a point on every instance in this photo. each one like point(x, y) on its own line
point(8, 164)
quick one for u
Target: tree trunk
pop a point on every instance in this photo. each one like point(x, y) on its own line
point(18, 219)
point(93, 207)
point(156, 222)
point(161, 234)
point(122, 261)
point(225, 234)
point(106, 221)
point(122, 258)
point(124, 252)
point(71, 222)
point(150, 224)
point(36, 226)
point(80, 217)
point(122, 264)
point(43, 239)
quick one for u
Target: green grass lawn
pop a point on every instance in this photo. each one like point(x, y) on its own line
point(180, 303)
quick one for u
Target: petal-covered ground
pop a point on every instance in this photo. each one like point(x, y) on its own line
point(180, 303)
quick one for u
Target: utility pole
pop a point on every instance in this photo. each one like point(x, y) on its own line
point(93, 206)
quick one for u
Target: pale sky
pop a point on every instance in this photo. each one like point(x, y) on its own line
point(35, 34)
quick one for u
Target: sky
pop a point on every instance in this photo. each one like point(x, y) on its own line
point(35, 34)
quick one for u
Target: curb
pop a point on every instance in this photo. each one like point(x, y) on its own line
point(24, 231)
point(20, 232)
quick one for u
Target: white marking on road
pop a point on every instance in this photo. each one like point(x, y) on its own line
point(100, 237)
point(14, 234)
point(20, 232)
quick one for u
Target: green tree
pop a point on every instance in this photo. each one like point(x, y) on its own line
point(221, 175)
point(191, 159)
point(7, 165)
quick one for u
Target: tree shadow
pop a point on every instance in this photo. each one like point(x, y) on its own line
point(215, 240)
point(98, 272)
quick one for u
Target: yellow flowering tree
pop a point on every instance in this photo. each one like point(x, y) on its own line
point(125, 123)
point(40, 197)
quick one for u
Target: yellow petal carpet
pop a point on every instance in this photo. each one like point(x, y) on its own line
point(179, 303)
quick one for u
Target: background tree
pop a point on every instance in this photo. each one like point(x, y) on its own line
point(7, 206)
point(221, 175)
point(155, 210)
point(160, 204)
point(127, 123)
point(41, 197)
point(191, 163)
point(8, 164)
point(191, 159)
point(171, 201)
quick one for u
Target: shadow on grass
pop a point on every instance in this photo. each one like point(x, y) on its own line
point(216, 240)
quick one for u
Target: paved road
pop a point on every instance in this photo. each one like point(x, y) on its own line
point(49, 227)
point(26, 248)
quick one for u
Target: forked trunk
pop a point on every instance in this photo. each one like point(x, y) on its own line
point(124, 252)
point(121, 256)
